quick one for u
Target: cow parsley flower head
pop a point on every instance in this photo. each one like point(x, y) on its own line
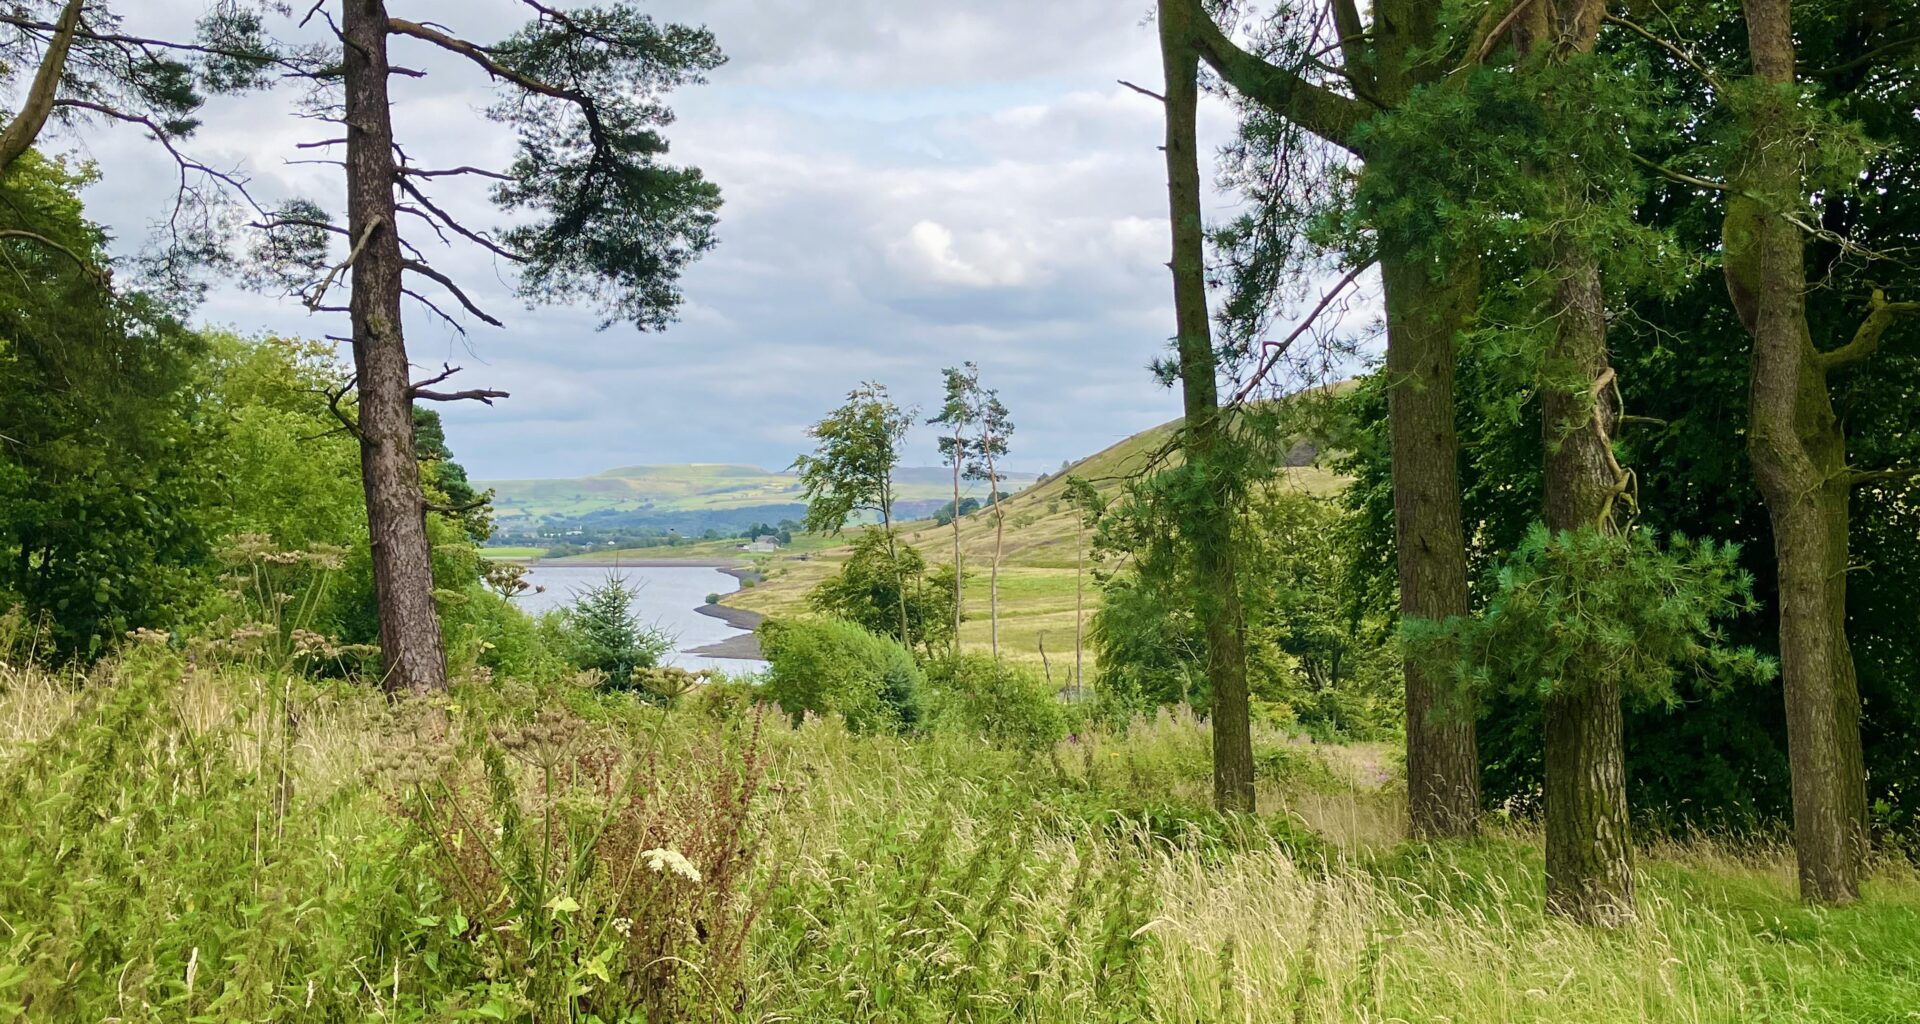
point(672, 860)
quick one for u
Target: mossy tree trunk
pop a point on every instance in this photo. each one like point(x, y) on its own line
point(1424, 314)
point(1209, 518)
point(1798, 449)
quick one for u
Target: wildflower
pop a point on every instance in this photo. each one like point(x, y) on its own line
point(623, 925)
point(672, 860)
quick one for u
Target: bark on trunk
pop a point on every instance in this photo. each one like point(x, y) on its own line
point(1388, 62)
point(958, 600)
point(999, 536)
point(1210, 522)
point(410, 644)
point(1798, 450)
point(1423, 317)
point(1589, 839)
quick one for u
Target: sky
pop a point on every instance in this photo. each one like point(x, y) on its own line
point(907, 185)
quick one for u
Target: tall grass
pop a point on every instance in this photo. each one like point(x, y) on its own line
point(183, 840)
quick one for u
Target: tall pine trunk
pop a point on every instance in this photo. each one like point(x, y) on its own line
point(1423, 317)
point(999, 540)
point(1589, 840)
point(1798, 449)
point(1209, 518)
point(1388, 60)
point(958, 600)
point(410, 644)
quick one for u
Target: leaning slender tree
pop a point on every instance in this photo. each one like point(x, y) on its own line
point(851, 469)
point(1209, 507)
point(957, 416)
point(988, 448)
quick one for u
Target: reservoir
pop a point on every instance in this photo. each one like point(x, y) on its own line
point(666, 599)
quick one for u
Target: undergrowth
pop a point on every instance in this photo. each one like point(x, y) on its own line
point(188, 841)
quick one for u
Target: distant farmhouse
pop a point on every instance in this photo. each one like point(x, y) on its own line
point(763, 543)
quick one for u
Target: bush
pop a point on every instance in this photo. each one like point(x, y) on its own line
point(866, 591)
point(1006, 705)
point(831, 666)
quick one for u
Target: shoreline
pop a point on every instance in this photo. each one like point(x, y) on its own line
point(744, 647)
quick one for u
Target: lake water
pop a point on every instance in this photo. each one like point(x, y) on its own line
point(666, 598)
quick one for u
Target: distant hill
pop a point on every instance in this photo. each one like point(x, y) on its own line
point(698, 496)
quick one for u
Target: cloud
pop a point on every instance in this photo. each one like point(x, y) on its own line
point(907, 186)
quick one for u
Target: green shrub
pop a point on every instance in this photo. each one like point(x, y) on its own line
point(831, 666)
point(1006, 705)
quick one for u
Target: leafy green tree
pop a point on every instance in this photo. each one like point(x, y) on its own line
point(851, 472)
point(871, 586)
point(105, 512)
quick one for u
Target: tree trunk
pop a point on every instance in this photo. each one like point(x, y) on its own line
point(1589, 839)
point(999, 535)
point(958, 599)
point(1423, 317)
point(410, 644)
point(1210, 520)
point(1079, 611)
point(1798, 450)
point(1389, 61)
point(893, 555)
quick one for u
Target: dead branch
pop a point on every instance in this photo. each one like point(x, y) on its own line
point(1276, 349)
point(320, 291)
point(446, 282)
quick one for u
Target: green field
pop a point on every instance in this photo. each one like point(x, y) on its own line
point(1038, 561)
point(693, 487)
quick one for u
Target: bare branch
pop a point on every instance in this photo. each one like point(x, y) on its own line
point(86, 266)
point(462, 230)
point(1277, 349)
point(1678, 54)
point(1680, 176)
point(434, 308)
point(1149, 93)
point(447, 282)
point(320, 291)
point(486, 395)
point(481, 171)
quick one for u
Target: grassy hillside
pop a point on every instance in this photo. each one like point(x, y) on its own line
point(1040, 548)
point(695, 487)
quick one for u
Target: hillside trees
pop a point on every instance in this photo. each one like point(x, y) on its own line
point(851, 472)
point(958, 416)
point(1323, 86)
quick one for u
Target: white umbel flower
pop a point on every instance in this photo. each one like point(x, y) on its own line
point(672, 860)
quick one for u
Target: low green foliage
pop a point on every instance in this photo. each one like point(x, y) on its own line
point(190, 839)
point(830, 666)
point(1575, 608)
point(867, 591)
point(1006, 705)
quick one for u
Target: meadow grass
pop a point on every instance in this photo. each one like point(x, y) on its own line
point(186, 840)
